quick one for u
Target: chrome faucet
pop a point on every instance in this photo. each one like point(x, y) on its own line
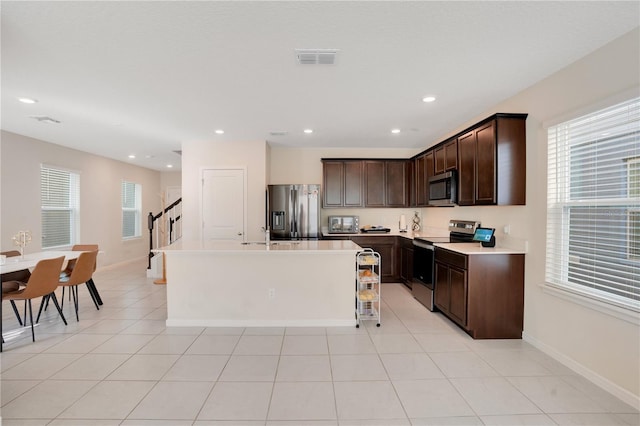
point(267, 235)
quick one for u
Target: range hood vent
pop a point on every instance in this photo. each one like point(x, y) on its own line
point(316, 56)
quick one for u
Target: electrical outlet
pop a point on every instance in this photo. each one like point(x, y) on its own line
point(506, 229)
point(272, 293)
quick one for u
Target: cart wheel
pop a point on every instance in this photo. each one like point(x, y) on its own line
point(378, 325)
point(357, 325)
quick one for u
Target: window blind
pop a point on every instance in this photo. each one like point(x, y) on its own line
point(593, 205)
point(60, 206)
point(131, 209)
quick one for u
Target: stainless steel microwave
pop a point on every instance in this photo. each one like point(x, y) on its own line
point(443, 189)
point(343, 224)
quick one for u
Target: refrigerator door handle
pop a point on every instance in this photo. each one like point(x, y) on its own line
point(293, 212)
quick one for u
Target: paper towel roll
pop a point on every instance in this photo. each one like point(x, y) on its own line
point(403, 223)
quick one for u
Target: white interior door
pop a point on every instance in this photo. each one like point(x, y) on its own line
point(223, 204)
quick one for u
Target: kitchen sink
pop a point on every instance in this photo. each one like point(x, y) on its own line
point(271, 243)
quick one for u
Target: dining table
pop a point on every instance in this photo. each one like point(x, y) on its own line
point(30, 260)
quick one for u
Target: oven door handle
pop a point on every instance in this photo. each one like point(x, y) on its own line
point(424, 245)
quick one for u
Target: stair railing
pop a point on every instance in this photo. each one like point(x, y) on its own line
point(172, 215)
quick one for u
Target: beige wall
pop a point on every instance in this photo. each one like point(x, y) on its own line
point(170, 179)
point(601, 346)
point(100, 186)
point(197, 156)
point(302, 165)
point(604, 347)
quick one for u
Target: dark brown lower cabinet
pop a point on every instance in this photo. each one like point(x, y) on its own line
point(458, 292)
point(387, 247)
point(482, 293)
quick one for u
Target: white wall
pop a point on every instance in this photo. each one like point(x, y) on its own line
point(603, 347)
point(197, 156)
point(100, 196)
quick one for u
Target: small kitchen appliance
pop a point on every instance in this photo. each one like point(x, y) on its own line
point(343, 224)
point(443, 189)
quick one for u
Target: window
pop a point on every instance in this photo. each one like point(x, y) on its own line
point(60, 207)
point(633, 220)
point(131, 209)
point(593, 205)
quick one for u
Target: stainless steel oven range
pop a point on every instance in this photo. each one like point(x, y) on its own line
point(423, 285)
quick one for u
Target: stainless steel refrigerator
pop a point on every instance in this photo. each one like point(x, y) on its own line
point(293, 211)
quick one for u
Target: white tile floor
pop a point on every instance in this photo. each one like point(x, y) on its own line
point(122, 366)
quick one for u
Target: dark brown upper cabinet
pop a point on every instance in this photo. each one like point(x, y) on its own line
point(489, 157)
point(342, 183)
point(386, 183)
point(397, 184)
point(446, 156)
point(420, 181)
point(451, 155)
point(439, 157)
point(492, 162)
point(374, 184)
point(424, 169)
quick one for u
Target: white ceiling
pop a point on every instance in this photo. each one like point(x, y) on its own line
point(143, 77)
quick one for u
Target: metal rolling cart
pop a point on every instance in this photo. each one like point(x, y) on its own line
point(368, 286)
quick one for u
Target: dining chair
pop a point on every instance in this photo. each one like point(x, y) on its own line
point(93, 291)
point(9, 284)
point(42, 282)
point(81, 274)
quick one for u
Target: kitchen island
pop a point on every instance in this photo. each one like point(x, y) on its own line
point(283, 284)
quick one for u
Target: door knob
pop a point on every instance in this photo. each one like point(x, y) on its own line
point(239, 233)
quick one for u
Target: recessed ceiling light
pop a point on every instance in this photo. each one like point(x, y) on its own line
point(132, 156)
point(308, 131)
point(28, 100)
point(428, 99)
point(219, 132)
point(395, 131)
point(169, 165)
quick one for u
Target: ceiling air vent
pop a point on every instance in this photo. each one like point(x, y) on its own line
point(44, 119)
point(279, 133)
point(316, 56)
point(179, 152)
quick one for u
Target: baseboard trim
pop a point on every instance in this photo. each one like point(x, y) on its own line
point(592, 376)
point(259, 323)
point(119, 264)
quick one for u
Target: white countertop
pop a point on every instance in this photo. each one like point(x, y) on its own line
point(436, 234)
point(476, 248)
point(302, 246)
point(426, 234)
